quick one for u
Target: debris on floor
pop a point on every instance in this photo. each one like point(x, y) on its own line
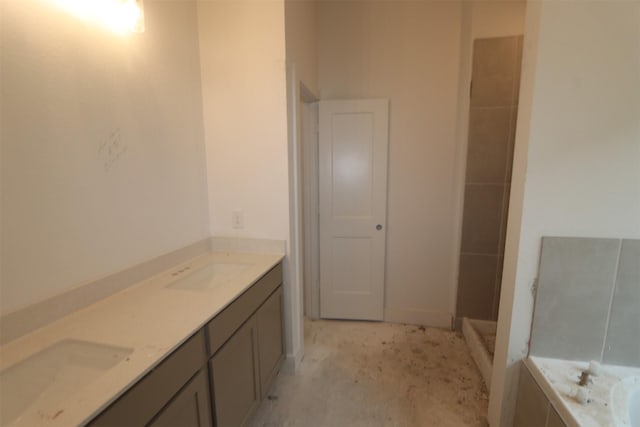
point(378, 374)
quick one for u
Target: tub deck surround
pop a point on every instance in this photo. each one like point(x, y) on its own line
point(558, 379)
point(149, 320)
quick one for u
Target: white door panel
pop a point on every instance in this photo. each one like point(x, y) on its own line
point(352, 152)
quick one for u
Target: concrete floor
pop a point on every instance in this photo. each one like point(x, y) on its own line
point(377, 374)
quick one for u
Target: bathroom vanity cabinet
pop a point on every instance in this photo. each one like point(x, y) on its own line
point(220, 374)
point(247, 347)
point(176, 391)
point(533, 408)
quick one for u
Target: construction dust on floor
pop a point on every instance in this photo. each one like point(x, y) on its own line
point(377, 374)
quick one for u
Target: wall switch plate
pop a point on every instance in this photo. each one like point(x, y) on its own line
point(237, 219)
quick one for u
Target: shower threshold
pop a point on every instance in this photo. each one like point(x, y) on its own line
point(480, 336)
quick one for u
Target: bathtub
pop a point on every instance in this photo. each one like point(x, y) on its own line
point(612, 397)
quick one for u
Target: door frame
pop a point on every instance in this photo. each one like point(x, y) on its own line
point(310, 201)
point(309, 146)
point(295, 287)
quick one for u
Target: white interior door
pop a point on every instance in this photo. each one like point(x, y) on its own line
point(352, 151)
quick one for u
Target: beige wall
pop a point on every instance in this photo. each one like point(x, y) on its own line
point(242, 54)
point(496, 18)
point(301, 35)
point(577, 159)
point(408, 52)
point(70, 91)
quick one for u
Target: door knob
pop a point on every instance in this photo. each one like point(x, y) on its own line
point(379, 227)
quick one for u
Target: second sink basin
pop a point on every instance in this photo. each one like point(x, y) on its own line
point(208, 277)
point(53, 374)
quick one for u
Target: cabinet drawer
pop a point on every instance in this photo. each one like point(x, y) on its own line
point(147, 397)
point(231, 318)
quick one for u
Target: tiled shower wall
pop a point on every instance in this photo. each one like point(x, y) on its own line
point(492, 123)
point(588, 300)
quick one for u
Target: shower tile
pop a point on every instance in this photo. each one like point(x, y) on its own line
point(622, 345)
point(476, 283)
point(574, 291)
point(481, 218)
point(488, 148)
point(494, 71)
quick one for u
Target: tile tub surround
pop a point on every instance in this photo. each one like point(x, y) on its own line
point(149, 318)
point(558, 380)
point(588, 300)
point(622, 343)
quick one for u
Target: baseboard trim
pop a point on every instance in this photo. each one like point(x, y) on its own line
point(292, 362)
point(435, 319)
point(22, 321)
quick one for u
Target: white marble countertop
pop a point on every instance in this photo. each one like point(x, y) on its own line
point(149, 318)
point(558, 378)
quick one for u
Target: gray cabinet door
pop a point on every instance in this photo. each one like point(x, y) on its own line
point(270, 339)
point(147, 398)
point(236, 388)
point(229, 320)
point(554, 420)
point(190, 407)
point(532, 405)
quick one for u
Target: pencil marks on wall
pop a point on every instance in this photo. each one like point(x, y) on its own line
point(112, 149)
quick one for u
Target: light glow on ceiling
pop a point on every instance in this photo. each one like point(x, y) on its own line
point(120, 16)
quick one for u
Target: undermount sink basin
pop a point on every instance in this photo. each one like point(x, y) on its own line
point(53, 374)
point(208, 277)
point(625, 403)
point(634, 407)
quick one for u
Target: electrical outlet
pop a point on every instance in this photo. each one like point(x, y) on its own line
point(237, 220)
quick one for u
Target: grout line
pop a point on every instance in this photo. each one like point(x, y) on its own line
point(493, 184)
point(613, 291)
point(492, 107)
point(478, 254)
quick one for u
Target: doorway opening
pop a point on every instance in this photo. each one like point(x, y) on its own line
point(344, 146)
